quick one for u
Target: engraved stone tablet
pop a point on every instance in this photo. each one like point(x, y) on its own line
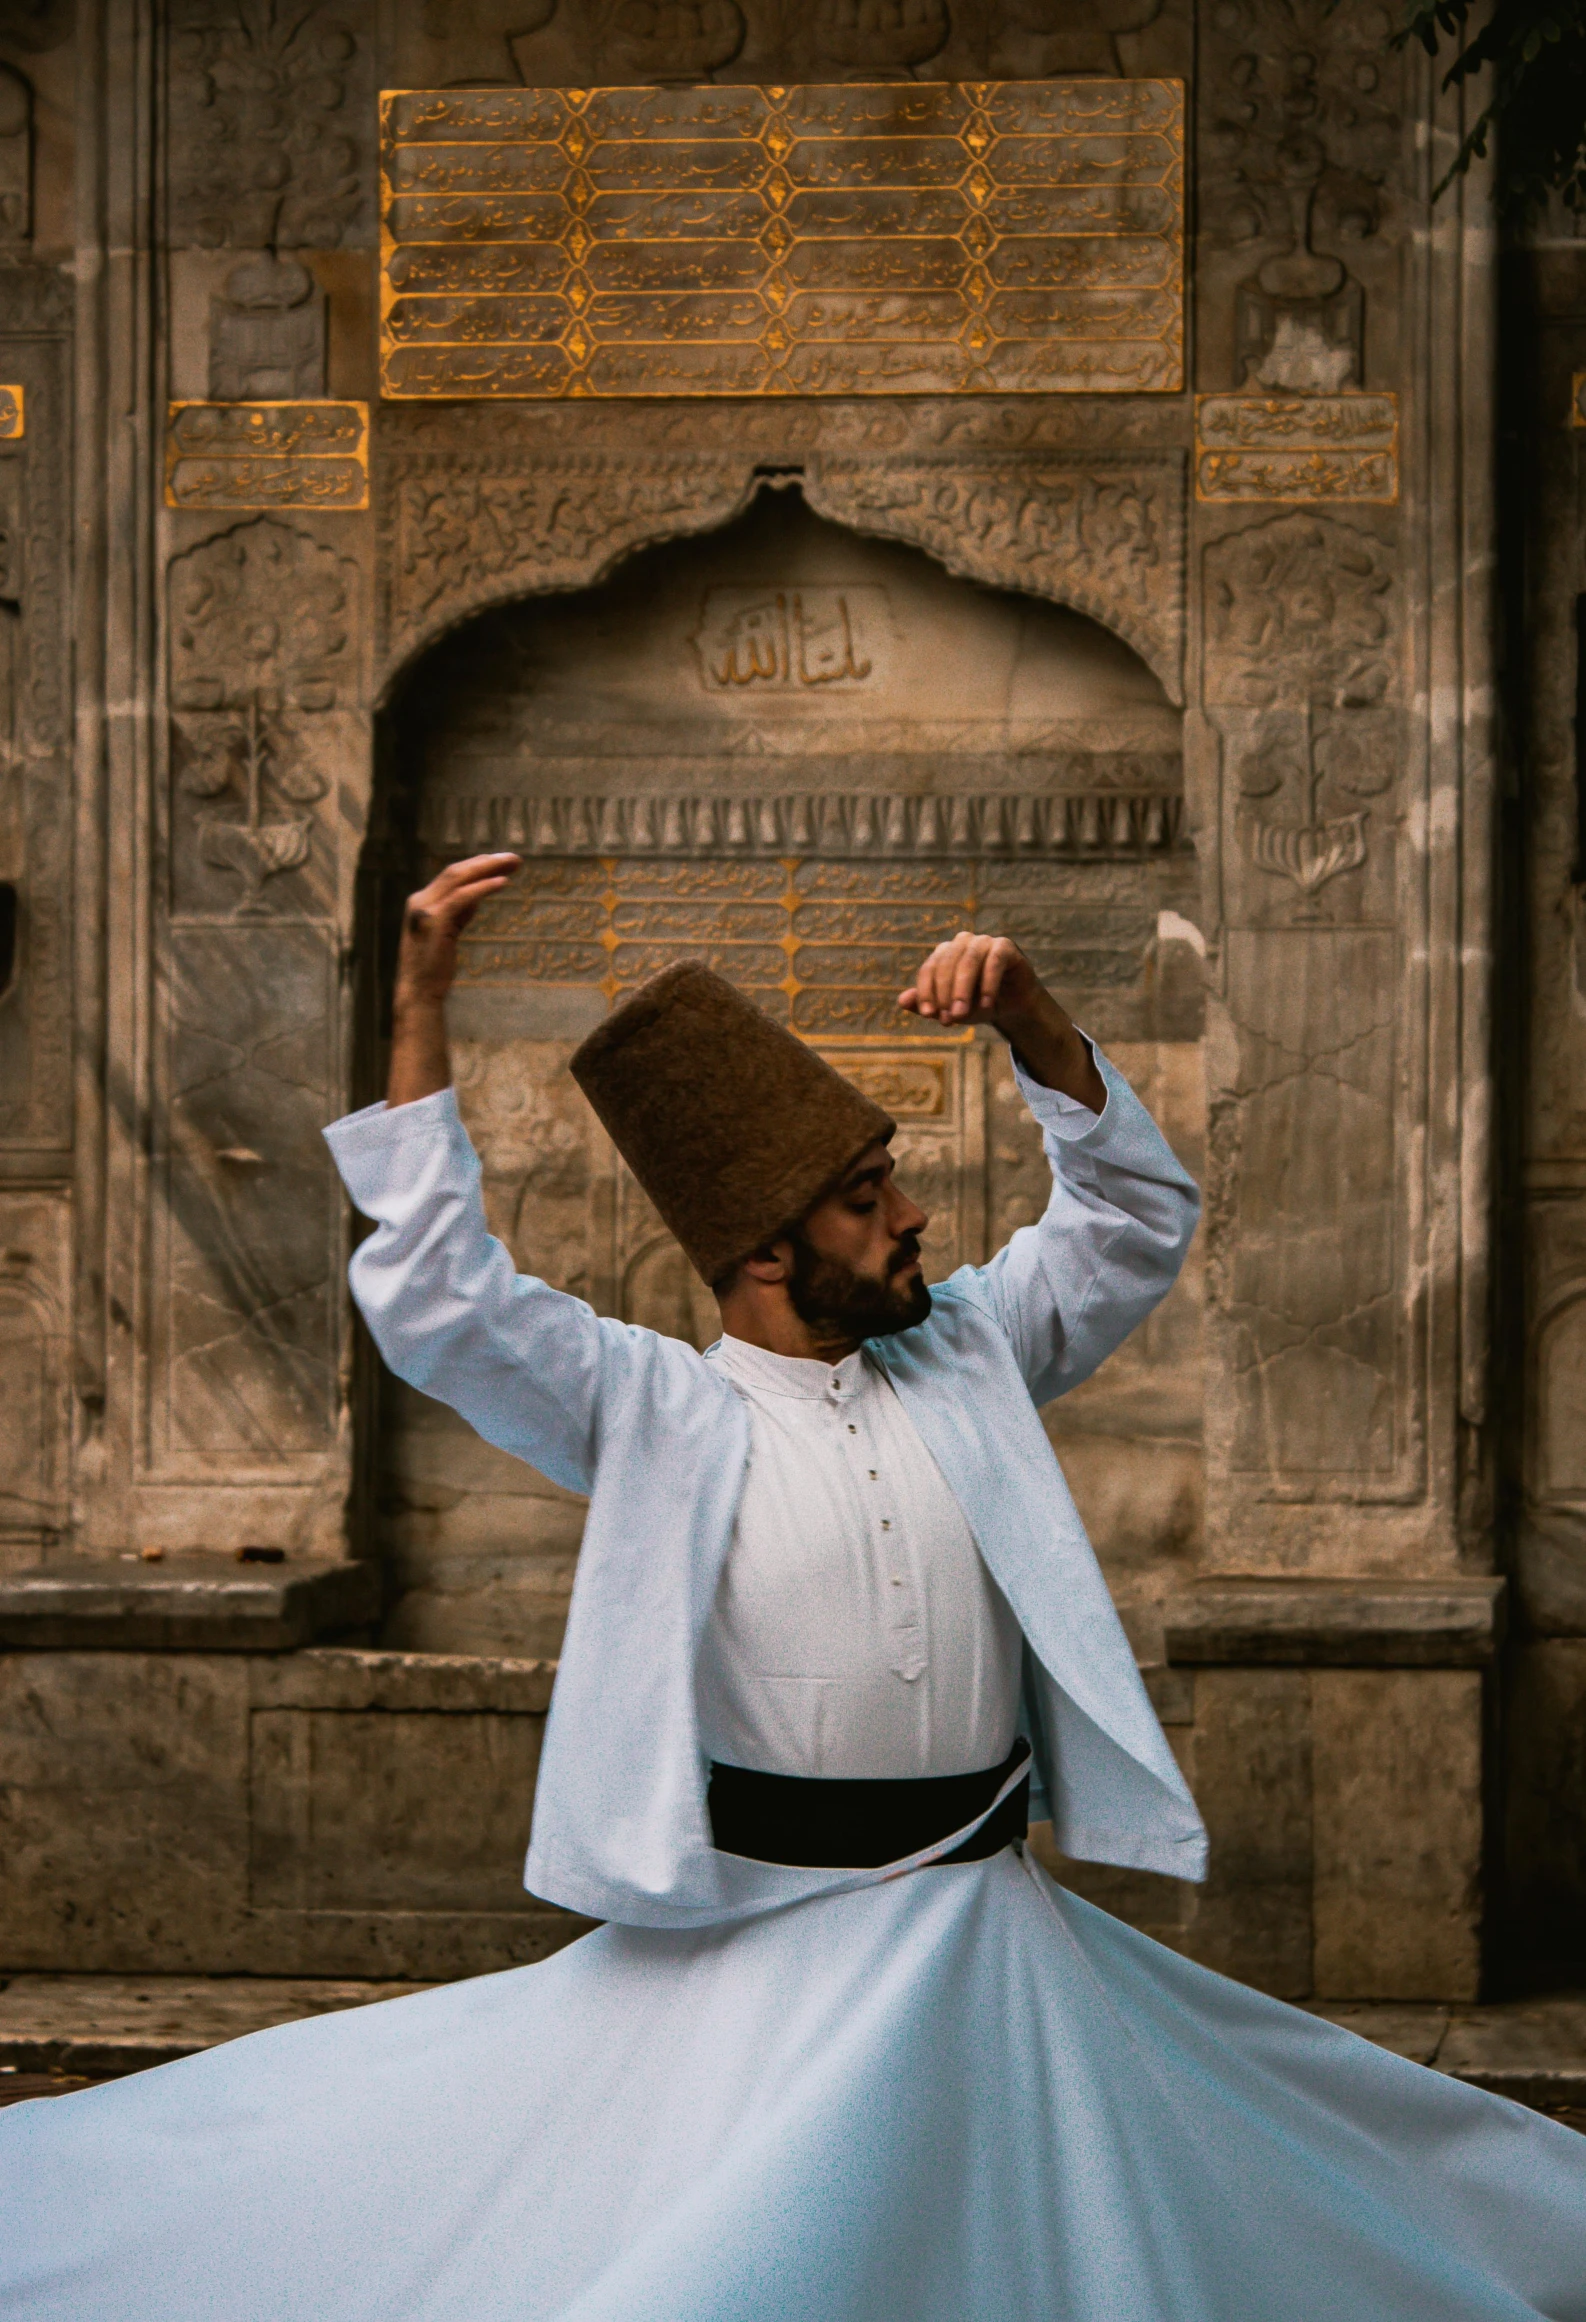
point(902, 238)
point(1297, 447)
point(267, 455)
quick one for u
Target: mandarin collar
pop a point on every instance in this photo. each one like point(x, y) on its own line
point(773, 1374)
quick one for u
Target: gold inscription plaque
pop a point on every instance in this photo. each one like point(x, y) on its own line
point(1577, 407)
point(11, 413)
point(267, 455)
point(1297, 447)
point(903, 238)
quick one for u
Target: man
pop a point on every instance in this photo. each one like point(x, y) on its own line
point(844, 2053)
point(774, 1174)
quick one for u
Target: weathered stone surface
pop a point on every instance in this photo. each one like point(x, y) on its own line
point(195, 1604)
point(110, 2024)
point(1336, 1624)
point(1533, 2054)
point(1396, 1791)
point(1416, 2033)
point(334, 1813)
point(1252, 1774)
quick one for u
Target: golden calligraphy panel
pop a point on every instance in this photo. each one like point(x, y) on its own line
point(916, 237)
point(1297, 447)
point(13, 406)
point(267, 455)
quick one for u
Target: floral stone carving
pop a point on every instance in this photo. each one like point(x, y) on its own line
point(264, 684)
point(1299, 628)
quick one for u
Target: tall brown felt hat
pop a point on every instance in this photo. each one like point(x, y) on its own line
point(732, 1126)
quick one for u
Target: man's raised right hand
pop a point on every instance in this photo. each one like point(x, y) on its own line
point(432, 921)
point(434, 918)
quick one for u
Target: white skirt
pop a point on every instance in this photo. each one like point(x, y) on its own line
point(963, 2096)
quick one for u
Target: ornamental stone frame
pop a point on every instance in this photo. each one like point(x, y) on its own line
point(1303, 1538)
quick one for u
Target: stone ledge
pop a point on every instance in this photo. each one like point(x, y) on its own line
point(194, 1603)
point(346, 1677)
point(1336, 1624)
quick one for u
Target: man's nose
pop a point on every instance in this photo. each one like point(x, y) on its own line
point(907, 1216)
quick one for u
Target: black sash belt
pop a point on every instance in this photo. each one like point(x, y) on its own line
point(841, 1825)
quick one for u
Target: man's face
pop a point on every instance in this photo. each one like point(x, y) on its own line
point(856, 1256)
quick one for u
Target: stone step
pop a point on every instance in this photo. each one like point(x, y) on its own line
point(103, 2025)
point(1531, 2050)
point(58, 2031)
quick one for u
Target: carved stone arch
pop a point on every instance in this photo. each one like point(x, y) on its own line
point(1104, 536)
point(461, 534)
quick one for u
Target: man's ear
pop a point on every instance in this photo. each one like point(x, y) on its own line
point(772, 1262)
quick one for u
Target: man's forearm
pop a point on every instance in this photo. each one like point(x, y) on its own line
point(421, 1062)
point(1049, 1045)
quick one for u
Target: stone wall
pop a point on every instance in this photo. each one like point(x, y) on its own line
point(1544, 1097)
point(233, 580)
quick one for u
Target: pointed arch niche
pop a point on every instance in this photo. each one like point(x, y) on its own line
point(804, 755)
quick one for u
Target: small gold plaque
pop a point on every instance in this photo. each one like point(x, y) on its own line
point(1577, 401)
point(267, 455)
point(1297, 447)
point(12, 402)
point(902, 238)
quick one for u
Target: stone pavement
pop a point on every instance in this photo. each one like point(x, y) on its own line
point(59, 2032)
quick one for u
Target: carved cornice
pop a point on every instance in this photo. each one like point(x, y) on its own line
point(464, 530)
point(864, 825)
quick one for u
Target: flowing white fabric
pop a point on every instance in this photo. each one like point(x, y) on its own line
point(856, 1631)
point(962, 2096)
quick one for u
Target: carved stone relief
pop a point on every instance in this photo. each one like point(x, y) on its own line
point(1105, 536)
point(16, 157)
point(270, 132)
point(308, 456)
point(266, 658)
point(1300, 136)
point(1302, 1204)
point(464, 531)
point(35, 1334)
point(1297, 447)
point(1301, 673)
point(265, 687)
point(461, 534)
point(577, 42)
point(1300, 668)
point(247, 1322)
point(35, 808)
point(267, 333)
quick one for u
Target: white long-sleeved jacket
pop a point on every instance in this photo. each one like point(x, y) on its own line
point(659, 1440)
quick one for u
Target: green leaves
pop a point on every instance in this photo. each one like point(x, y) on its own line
point(1535, 52)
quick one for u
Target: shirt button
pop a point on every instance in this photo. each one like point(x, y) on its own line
point(886, 1523)
point(852, 1429)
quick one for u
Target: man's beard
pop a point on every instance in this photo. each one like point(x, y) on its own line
point(829, 1295)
